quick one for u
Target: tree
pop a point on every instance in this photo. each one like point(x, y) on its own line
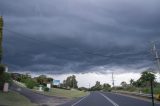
point(144, 80)
point(131, 82)
point(146, 77)
point(71, 82)
point(64, 85)
point(97, 86)
point(30, 83)
point(24, 77)
point(42, 79)
point(124, 84)
point(49, 80)
point(106, 87)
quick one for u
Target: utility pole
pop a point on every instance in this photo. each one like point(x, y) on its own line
point(113, 79)
point(73, 82)
point(157, 59)
point(156, 56)
point(1, 36)
point(152, 92)
point(89, 85)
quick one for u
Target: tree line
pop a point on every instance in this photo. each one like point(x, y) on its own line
point(143, 84)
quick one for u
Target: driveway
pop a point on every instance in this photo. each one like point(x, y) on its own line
point(40, 99)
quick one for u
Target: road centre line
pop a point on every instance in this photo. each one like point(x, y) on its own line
point(80, 100)
point(115, 104)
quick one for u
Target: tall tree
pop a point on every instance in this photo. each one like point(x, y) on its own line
point(146, 77)
point(71, 82)
point(106, 86)
point(97, 86)
point(144, 80)
point(132, 82)
point(124, 84)
point(42, 79)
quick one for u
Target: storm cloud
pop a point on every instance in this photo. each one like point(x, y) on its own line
point(79, 36)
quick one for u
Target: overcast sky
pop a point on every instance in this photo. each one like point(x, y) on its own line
point(79, 36)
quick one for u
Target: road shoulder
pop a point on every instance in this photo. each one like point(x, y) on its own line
point(135, 97)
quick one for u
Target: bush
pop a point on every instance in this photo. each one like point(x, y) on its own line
point(146, 90)
point(117, 88)
point(131, 89)
point(30, 83)
point(107, 90)
point(158, 97)
point(157, 89)
point(46, 89)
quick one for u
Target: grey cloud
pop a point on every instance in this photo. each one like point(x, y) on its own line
point(64, 36)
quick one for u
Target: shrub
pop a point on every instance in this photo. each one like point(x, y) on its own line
point(158, 97)
point(131, 89)
point(30, 83)
point(46, 89)
point(146, 90)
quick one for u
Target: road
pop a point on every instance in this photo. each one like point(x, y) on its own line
point(41, 100)
point(93, 99)
point(107, 99)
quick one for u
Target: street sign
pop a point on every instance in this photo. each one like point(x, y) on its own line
point(56, 82)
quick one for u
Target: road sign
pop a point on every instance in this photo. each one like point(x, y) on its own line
point(56, 82)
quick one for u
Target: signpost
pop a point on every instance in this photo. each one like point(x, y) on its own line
point(49, 85)
point(56, 82)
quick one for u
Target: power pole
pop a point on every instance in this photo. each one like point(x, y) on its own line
point(156, 56)
point(112, 79)
point(157, 59)
point(1, 36)
point(152, 92)
point(73, 82)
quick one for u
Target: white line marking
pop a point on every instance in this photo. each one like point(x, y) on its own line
point(79, 100)
point(115, 104)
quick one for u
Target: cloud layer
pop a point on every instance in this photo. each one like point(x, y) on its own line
point(68, 36)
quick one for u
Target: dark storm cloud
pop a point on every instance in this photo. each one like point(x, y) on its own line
point(62, 36)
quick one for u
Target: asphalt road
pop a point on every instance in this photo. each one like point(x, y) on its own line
point(93, 99)
point(107, 99)
point(41, 100)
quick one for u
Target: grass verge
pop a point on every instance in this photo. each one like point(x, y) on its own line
point(70, 94)
point(14, 99)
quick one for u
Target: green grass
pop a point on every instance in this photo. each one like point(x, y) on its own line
point(70, 94)
point(66, 93)
point(14, 99)
point(157, 89)
point(146, 90)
